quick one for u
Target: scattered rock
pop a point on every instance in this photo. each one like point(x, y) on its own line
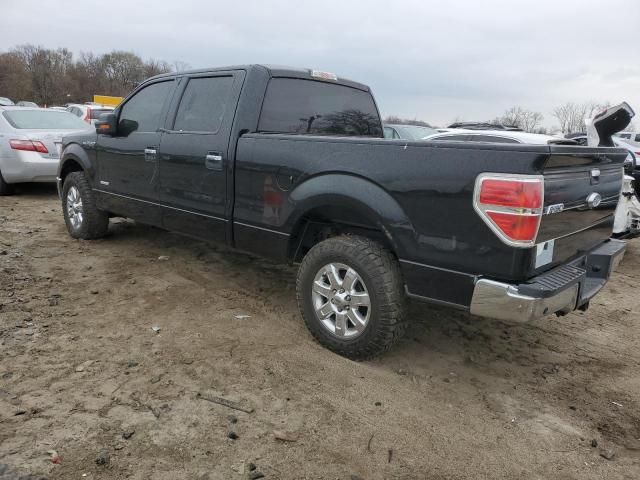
point(103, 458)
point(127, 434)
point(156, 328)
point(378, 404)
point(594, 443)
point(119, 446)
point(402, 371)
point(156, 379)
point(608, 454)
point(132, 281)
point(54, 457)
point(163, 258)
point(82, 366)
point(232, 435)
point(251, 466)
point(132, 364)
point(232, 418)
point(19, 412)
point(53, 301)
point(93, 291)
point(285, 436)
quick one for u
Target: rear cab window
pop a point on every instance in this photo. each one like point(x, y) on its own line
point(300, 106)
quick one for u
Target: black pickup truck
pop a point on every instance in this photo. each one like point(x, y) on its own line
point(291, 164)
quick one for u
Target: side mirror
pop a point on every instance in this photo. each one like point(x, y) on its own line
point(106, 124)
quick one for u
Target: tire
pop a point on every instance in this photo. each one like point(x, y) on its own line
point(91, 223)
point(5, 188)
point(366, 331)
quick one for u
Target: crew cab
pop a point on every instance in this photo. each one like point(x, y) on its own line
point(292, 164)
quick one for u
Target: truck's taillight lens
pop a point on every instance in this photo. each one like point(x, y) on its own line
point(87, 118)
point(511, 205)
point(28, 146)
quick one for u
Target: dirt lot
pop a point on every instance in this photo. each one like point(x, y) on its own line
point(460, 397)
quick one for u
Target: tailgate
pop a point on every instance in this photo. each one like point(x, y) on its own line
point(582, 186)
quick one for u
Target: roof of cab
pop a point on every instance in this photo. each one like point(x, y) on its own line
point(273, 70)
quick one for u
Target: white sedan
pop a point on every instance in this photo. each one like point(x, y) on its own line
point(30, 141)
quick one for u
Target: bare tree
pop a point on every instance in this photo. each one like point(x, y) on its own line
point(180, 66)
point(527, 120)
point(572, 116)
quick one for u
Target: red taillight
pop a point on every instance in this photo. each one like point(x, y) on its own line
point(511, 206)
point(28, 145)
point(87, 118)
point(509, 193)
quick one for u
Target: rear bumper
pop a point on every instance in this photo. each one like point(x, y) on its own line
point(560, 290)
point(29, 167)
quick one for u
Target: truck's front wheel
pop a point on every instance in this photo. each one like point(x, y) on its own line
point(81, 214)
point(350, 294)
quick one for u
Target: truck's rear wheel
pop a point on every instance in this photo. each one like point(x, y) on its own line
point(350, 294)
point(81, 215)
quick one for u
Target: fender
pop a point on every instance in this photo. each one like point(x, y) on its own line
point(355, 194)
point(77, 153)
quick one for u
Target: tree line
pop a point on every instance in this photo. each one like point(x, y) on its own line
point(570, 116)
point(54, 77)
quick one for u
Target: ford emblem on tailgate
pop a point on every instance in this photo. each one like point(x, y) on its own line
point(593, 200)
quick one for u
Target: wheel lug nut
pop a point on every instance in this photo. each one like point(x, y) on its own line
point(348, 298)
point(347, 307)
point(342, 290)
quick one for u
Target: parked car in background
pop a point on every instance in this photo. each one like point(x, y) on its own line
point(407, 132)
point(89, 112)
point(4, 101)
point(632, 138)
point(61, 109)
point(30, 143)
point(498, 136)
point(25, 103)
point(291, 164)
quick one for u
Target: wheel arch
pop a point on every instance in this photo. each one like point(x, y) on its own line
point(74, 159)
point(335, 204)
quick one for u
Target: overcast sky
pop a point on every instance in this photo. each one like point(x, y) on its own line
point(433, 60)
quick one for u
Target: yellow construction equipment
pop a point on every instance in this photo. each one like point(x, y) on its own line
point(107, 100)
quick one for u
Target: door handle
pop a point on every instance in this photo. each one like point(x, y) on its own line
point(150, 154)
point(213, 161)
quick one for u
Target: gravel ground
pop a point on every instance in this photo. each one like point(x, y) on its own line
point(88, 389)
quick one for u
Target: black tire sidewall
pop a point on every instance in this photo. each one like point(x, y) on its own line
point(72, 181)
point(373, 339)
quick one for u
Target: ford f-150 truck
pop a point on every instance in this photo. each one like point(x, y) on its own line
point(291, 164)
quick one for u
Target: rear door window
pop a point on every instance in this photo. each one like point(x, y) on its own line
point(142, 112)
point(204, 104)
point(318, 108)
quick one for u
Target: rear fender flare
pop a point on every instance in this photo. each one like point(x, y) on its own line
point(354, 194)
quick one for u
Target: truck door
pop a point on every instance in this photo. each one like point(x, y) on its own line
point(194, 156)
point(128, 161)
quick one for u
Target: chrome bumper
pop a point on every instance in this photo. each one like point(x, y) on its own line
point(560, 291)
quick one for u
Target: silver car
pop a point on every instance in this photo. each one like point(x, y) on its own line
point(30, 142)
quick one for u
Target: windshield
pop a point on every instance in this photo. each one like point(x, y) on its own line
point(414, 132)
point(44, 120)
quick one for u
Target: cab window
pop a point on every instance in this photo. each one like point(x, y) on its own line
point(142, 112)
